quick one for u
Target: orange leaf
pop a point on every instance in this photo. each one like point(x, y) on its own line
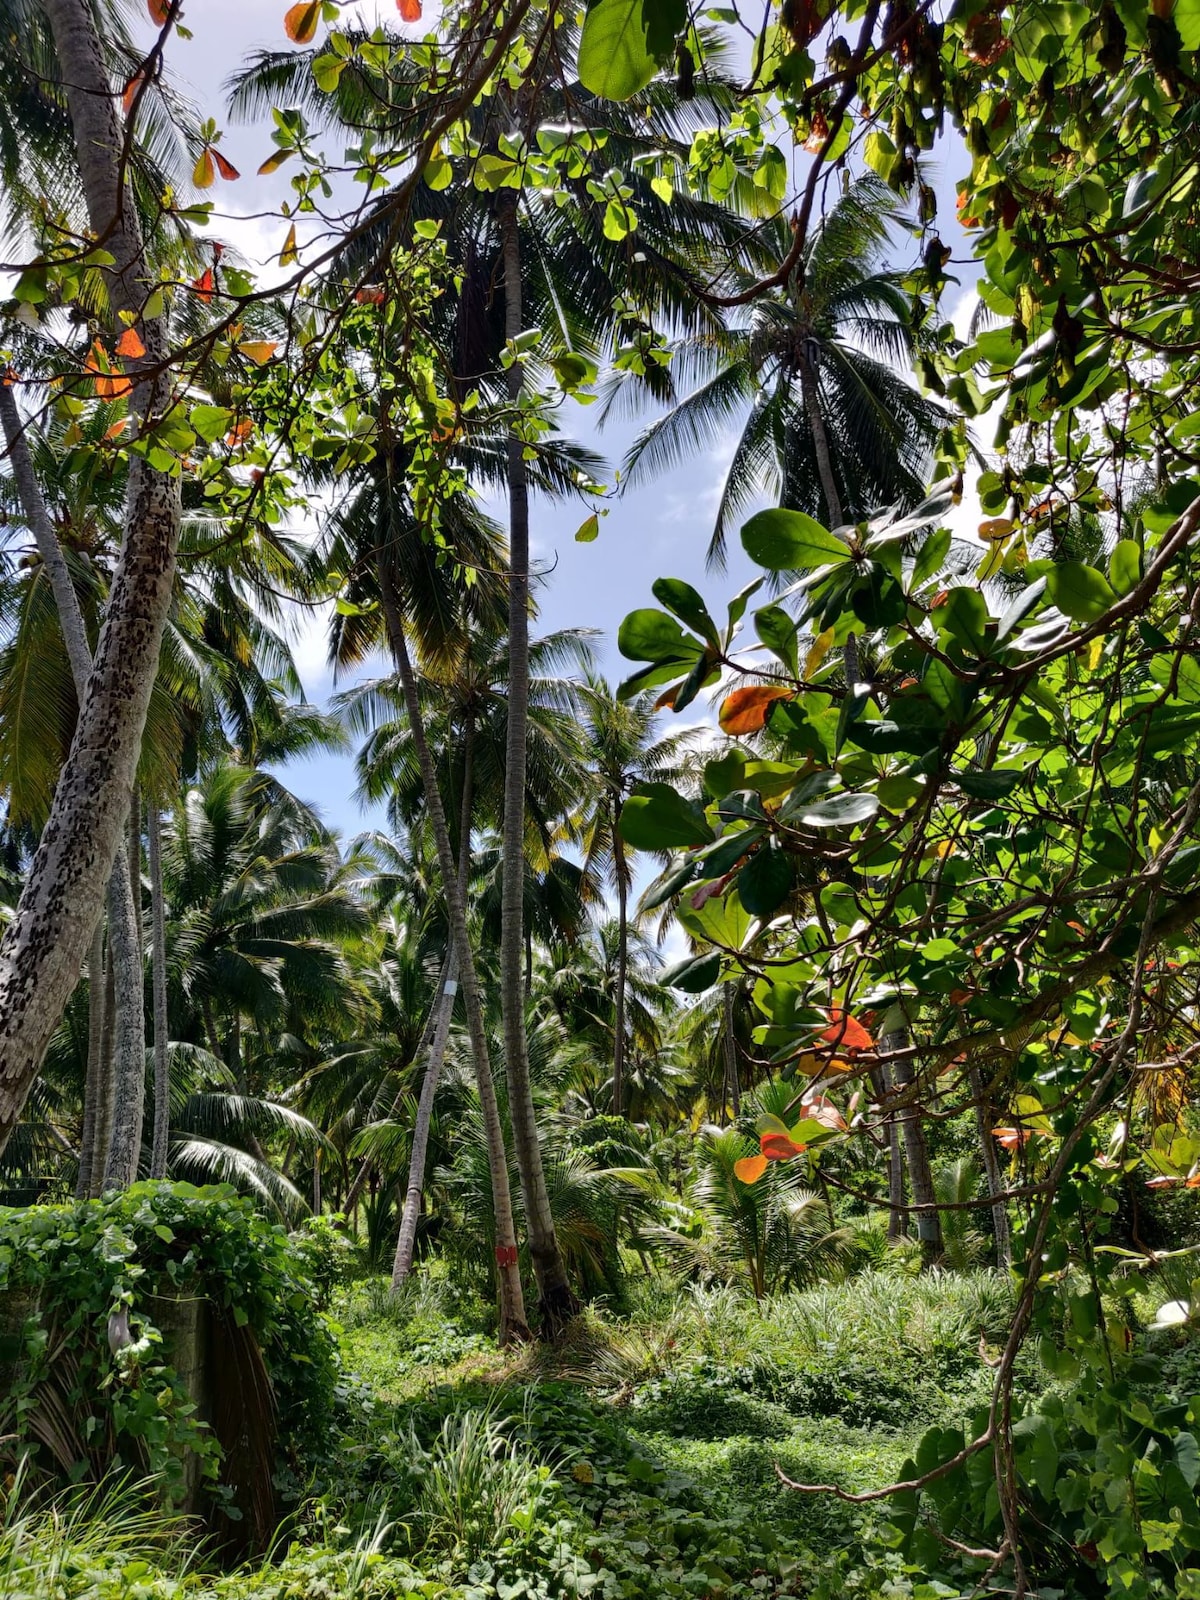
point(240, 432)
point(159, 11)
point(204, 285)
point(778, 1147)
point(371, 294)
point(226, 168)
point(1010, 1138)
point(258, 351)
point(410, 10)
point(815, 143)
point(300, 21)
point(996, 528)
point(1162, 1182)
point(117, 429)
point(130, 345)
point(843, 1030)
point(745, 710)
point(750, 1168)
point(131, 90)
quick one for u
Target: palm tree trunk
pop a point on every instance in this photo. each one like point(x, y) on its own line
point(45, 943)
point(621, 873)
point(881, 1088)
point(920, 1173)
point(512, 1301)
point(991, 1166)
point(810, 391)
point(731, 1052)
point(406, 1243)
point(104, 1104)
point(162, 1063)
point(556, 1300)
point(129, 1064)
point(93, 1087)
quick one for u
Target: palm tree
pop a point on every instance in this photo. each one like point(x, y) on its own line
point(830, 423)
point(624, 751)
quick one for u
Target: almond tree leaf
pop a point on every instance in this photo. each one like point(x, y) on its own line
point(300, 21)
point(745, 710)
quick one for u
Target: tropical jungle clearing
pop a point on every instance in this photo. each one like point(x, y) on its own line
point(728, 1130)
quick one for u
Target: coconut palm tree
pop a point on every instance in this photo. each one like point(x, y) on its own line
point(816, 376)
point(625, 748)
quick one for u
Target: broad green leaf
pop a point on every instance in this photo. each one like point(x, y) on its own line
point(211, 422)
point(842, 811)
point(788, 541)
point(693, 974)
point(657, 817)
point(766, 880)
point(623, 42)
point(649, 635)
point(1080, 592)
point(1125, 565)
point(588, 529)
point(688, 605)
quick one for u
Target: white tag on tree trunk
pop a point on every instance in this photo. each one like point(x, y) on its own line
point(451, 986)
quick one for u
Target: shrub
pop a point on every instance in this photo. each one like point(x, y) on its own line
point(90, 1287)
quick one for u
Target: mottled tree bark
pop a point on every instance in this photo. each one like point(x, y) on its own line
point(556, 1300)
point(920, 1173)
point(45, 943)
point(158, 958)
point(93, 1087)
point(991, 1166)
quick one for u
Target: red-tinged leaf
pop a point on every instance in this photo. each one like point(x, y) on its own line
point(410, 10)
point(750, 1168)
point(959, 997)
point(300, 21)
point(778, 1147)
point(11, 377)
point(116, 430)
point(131, 90)
point(239, 433)
point(130, 345)
point(666, 700)
point(226, 168)
point(371, 294)
point(819, 135)
point(1163, 1181)
point(820, 1108)
point(939, 599)
point(160, 11)
point(259, 351)
point(288, 254)
point(745, 710)
point(204, 285)
point(846, 1033)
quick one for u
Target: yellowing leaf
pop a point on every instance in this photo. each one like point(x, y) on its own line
point(750, 1168)
point(300, 21)
point(745, 710)
point(258, 350)
point(817, 652)
point(273, 163)
point(204, 173)
point(288, 254)
point(996, 528)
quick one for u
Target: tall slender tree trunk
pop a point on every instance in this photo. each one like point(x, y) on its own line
point(44, 945)
point(93, 1088)
point(920, 1173)
point(104, 1105)
point(158, 961)
point(512, 1301)
point(556, 1300)
point(444, 1006)
point(129, 1061)
point(621, 872)
point(881, 1088)
point(406, 1243)
point(991, 1166)
point(731, 1051)
point(810, 393)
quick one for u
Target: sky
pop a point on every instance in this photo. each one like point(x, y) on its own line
point(661, 529)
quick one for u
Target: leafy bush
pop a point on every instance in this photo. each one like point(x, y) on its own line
point(88, 1286)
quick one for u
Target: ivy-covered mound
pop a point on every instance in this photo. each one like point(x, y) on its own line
point(170, 1331)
